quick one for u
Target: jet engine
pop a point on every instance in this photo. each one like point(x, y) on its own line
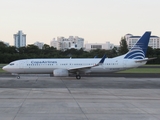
point(60, 73)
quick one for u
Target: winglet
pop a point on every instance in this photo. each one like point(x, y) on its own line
point(102, 60)
point(95, 56)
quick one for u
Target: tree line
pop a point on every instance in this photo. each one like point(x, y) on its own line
point(11, 53)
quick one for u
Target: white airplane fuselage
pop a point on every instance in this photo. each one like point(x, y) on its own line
point(47, 66)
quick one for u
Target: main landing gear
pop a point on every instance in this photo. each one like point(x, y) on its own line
point(78, 77)
point(18, 77)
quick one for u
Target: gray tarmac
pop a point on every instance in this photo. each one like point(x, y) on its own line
point(40, 97)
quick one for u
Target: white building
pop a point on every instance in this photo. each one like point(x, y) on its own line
point(154, 41)
point(39, 44)
point(67, 43)
point(53, 43)
point(93, 46)
point(19, 39)
point(5, 43)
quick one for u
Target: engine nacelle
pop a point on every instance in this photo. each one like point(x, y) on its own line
point(60, 73)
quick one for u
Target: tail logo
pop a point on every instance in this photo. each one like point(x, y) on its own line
point(135, 53)
point(138, 51)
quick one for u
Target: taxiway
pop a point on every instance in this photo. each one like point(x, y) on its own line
point(91, 98)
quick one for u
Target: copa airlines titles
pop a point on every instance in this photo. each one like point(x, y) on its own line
point(42, 62)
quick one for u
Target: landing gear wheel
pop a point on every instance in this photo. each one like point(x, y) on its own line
point(78, 77)
point(18, 77)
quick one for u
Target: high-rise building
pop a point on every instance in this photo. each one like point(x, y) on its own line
point(19, 39)
point(154, 41)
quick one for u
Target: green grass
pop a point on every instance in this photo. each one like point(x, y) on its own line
point(1, 65)
point(152, 65)
point(141, 70)
point(2, 71)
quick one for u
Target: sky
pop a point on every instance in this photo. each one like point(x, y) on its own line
point(97, 21)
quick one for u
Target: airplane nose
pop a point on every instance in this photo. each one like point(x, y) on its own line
point(7, 68)
point(4, 68)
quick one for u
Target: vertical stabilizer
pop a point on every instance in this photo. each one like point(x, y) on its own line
point(138, 51)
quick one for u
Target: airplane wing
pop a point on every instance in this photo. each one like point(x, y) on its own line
point(82, 67)
point(87, 67)
point(147, 59)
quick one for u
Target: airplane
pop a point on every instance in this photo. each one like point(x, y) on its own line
point(135, 57)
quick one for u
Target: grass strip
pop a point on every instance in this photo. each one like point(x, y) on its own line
point(2, 71)
point(141, 70)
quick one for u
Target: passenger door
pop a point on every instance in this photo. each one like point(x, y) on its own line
point(22, 64)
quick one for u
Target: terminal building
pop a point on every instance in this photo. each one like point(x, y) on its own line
point(19, 39)
point(154, 41)
point(67, 43)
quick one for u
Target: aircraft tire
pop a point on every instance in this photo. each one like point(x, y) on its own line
point(18, 77)
point(78, 77)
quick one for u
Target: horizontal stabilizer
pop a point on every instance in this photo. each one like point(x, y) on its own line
point(148, 59)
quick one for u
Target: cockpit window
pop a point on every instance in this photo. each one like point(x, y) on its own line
point(11, 64)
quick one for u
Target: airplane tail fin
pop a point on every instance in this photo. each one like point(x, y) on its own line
point(138, 51)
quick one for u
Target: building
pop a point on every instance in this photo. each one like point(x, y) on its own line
point(67, 43)
point(154, 41)
point(5, 43)
point(93, 46)
point(39, 44)
point(19, 39)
